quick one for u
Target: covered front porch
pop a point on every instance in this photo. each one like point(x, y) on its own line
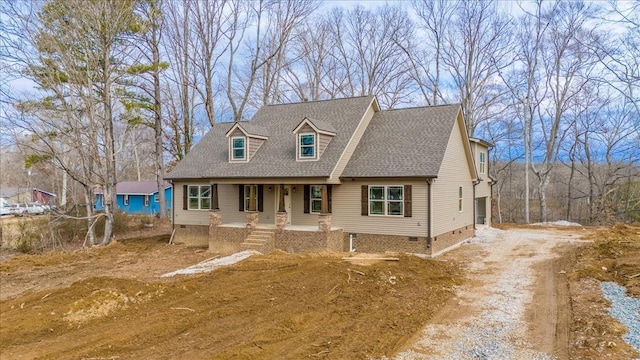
point(289, 217)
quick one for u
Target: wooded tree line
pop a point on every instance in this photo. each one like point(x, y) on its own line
point(124, 88)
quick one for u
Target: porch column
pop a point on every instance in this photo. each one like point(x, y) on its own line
point(324, 202)
point(252, 198)
point(214, 197)
point(215, 220)
point(281, 199)
point(281, 216)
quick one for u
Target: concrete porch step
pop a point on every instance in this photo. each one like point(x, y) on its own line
point(260, 240)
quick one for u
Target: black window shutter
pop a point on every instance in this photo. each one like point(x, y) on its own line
point(407, 201)
point(329, 197)
point(261, 198)
point(365, 200)
point(240, 197)
point(307, 200)
point(185, 199)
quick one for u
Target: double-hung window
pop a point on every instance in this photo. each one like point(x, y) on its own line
point(238, 148)
point(125, 199)
point(315, 199)
point(482, 162)
point(156, 198)
point(460, 199)
point(386, 200)
point(307, 146)
point(146, 200)
point(199, 197)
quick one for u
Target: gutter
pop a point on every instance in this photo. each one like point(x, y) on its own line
point(475, 202)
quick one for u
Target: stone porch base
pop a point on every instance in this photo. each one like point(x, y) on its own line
point(228, 239)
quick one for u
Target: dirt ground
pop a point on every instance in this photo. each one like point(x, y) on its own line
point(518, 293)
point(109, 303)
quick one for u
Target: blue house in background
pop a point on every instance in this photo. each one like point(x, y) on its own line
point(137, 197)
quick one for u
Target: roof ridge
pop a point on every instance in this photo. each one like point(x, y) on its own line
point(321, 100)
point(422, 107)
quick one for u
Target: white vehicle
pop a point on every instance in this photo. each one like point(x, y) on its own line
point(35, 209)
point(18, 209)
point(4, 208)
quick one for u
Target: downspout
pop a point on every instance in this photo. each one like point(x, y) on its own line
point(429, 237)
point(475, 203)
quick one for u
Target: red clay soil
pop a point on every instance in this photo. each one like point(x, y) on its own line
point(110, 303)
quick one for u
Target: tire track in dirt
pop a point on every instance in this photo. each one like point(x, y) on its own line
point(513, 306)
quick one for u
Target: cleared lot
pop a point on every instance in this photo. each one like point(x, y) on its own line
point(110, 302)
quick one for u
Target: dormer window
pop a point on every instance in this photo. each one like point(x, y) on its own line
point(312, 138)
point(238, 148)
point(244, 141)
point(307, 146)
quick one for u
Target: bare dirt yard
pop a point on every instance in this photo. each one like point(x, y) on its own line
point(517, 293)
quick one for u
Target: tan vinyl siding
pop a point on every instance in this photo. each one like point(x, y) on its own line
point(346, 204)
point(229, 204)
point(353, 143)
point(228, 201)
point(254, 145)
point(453, 173)
point(298, 217)
point(483, 189)
point(306, 128)
point(237, 132)
point(323, 142)
point(188, 217)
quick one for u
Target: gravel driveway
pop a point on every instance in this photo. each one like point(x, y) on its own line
point(490, 317)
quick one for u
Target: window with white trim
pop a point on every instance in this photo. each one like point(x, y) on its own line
point(387, 200)
point(315, 199)
point(482, 162)
point(125, 199)
point(307, 146)
point(156, 198)
point(247, 196)
point(146, 200)
point(199, 197)
point(460, 199)
point(238, 148)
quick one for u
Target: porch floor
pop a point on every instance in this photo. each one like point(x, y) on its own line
point(273, 227)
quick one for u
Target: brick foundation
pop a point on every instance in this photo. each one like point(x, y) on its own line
point(446, 240)
point(228, 240)
point(309, 241)
point(375, 243)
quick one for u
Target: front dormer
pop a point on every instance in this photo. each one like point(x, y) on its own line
point(244, 141)
point(312, 138)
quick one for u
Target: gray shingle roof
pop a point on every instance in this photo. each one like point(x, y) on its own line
point(322, 125)
point(136, 187)
point(253, 129)
point(276, 157)
point(404, 142)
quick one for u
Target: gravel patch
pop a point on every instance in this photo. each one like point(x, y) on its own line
point(497, 329)
point(625, 309)
point(557, 223)
point(210, 265)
